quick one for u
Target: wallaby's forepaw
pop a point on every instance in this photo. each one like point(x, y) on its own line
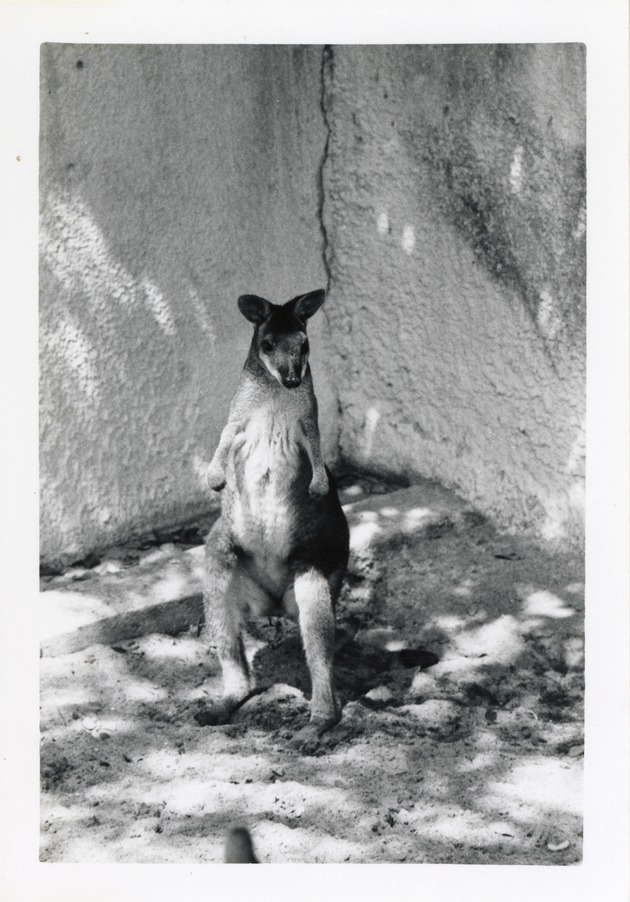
point(215, 478)
point(319, 483)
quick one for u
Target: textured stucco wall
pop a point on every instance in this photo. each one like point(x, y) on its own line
point(172, 180)
point(455, 220)
point(452, 232)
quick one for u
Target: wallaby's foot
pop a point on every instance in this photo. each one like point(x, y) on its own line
point(221, 711)
point(319, 483)
point(216, 713)
point(215, 477)
point(308, 738)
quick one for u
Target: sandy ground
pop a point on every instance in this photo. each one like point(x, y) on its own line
point(460, 668)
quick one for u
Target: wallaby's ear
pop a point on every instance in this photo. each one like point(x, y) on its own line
point(253, 308)
point(305, 305)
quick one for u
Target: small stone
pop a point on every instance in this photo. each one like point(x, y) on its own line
point(507, 553)
point(380, 694)
point(558, 846)
point(79, 573)
point(576, 751)
point(279, 691)
point(108, 567)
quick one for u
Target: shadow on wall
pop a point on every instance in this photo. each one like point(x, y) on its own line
point(507, 157)
point(112, 332)
point(455, 210)
point(74, 249)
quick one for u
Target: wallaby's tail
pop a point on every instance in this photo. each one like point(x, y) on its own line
point(239, 848)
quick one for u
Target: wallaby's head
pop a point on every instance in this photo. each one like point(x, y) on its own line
point(280, 342)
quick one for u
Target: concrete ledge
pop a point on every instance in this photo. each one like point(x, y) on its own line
point(163, 592)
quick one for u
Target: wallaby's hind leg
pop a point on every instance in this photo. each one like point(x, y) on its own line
point(317, 626)
point(223, 627)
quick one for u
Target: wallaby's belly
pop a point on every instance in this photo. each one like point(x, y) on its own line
point(268, 479)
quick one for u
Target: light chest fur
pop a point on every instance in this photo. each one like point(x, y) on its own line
point(267, 469)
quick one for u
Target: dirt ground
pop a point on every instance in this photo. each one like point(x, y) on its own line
point(459, 665)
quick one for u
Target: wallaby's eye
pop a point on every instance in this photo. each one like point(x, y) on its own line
point(266, 345)
point(305, 347)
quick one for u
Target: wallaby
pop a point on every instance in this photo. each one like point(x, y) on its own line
point(281, 542)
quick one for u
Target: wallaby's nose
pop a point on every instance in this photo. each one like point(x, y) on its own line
point(291, 381)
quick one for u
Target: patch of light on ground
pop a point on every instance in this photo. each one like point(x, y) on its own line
point(499, 641)
point(416, 516)
point(144, 691)
point(354, 491)
point(362, 534)
point(480, 761)
point(389, 512)
point(540, 783)
point(185, 648)
point(546, 604)
point(450, 623)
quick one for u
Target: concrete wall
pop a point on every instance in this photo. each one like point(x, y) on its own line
point(173, 179)
point(451, 226)
point(455, 219)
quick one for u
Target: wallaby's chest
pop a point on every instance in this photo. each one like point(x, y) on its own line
point(269, 470)
point(268, 447)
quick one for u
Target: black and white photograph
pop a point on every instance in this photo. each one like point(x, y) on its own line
point(312, 426)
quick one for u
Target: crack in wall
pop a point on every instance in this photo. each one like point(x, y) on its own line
point(326, 75)
point(326, 81)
